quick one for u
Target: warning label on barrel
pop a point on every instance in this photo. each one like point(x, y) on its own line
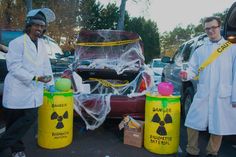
point(55, 123)
point(59, 119)
point(163, 140)
point(161, 130)
point(60, 135)
point(162, 123)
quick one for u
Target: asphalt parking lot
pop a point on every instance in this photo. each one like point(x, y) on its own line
point(107, 141)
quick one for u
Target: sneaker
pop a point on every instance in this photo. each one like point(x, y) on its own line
point(18, 154)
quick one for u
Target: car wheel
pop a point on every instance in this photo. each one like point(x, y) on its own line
point(187, 100)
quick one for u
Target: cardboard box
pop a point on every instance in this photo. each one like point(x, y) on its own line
point(133, 136)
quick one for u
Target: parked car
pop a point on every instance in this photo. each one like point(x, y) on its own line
point(183, 55)
point(6, 35)
point(157, 66)
point(112, 64)
point(171, 71)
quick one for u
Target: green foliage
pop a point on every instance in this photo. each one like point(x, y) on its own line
point(109, 17)
point(12, 13)
point(148, 31)
point(170, 41)
point(89, 14)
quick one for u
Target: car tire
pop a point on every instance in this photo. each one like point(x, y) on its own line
point(187, 100)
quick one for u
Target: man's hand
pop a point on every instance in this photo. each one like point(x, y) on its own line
point(183, 75)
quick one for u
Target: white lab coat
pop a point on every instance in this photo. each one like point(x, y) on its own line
point(24, 62)
point(216, 90)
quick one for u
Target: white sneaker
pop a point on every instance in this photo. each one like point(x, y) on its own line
point(18, 154)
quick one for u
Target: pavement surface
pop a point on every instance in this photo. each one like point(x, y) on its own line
point(107, 141)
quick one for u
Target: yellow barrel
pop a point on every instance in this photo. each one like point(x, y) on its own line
point(162, 124)
point(55, 121)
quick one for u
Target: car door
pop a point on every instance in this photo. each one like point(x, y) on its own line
point(169, 70)
point(180, 63)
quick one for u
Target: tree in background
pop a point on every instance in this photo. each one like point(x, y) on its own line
point(122, 12)
point(109, 17)
point(63, 29)
point(121, 20)
point(148, 31)
point(89, 14)
point(28, 5)
point(171, 40)
point(93, 16)
point(12, 13)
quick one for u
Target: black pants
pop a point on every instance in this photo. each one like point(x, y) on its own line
point(18, 122)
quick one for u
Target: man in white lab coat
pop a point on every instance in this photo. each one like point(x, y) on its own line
point(29, 69)
point(213, 106)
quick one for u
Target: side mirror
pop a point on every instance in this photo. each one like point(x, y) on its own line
point(166, 59)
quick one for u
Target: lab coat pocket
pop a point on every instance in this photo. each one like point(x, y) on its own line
point(225, 91)
point(202, 91)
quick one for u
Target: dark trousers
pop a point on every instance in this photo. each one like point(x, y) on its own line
point(18, 122)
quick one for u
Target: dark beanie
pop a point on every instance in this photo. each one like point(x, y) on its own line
point(39, 16)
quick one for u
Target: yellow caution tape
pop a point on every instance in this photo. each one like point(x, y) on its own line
point(111, 43)
point(109, 84)
point(213, 56)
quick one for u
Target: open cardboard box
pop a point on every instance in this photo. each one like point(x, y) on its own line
point(134, 136)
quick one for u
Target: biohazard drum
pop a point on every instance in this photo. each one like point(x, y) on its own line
point(162, 124)
point(55, 122)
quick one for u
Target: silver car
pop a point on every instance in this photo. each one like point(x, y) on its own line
point(180, 60)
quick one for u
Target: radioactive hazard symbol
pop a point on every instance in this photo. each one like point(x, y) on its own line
point(60, 124)
point(161, 130)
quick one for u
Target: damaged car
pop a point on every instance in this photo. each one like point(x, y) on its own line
point(110, 76)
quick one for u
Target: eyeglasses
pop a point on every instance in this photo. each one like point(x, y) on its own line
point(209, 28)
